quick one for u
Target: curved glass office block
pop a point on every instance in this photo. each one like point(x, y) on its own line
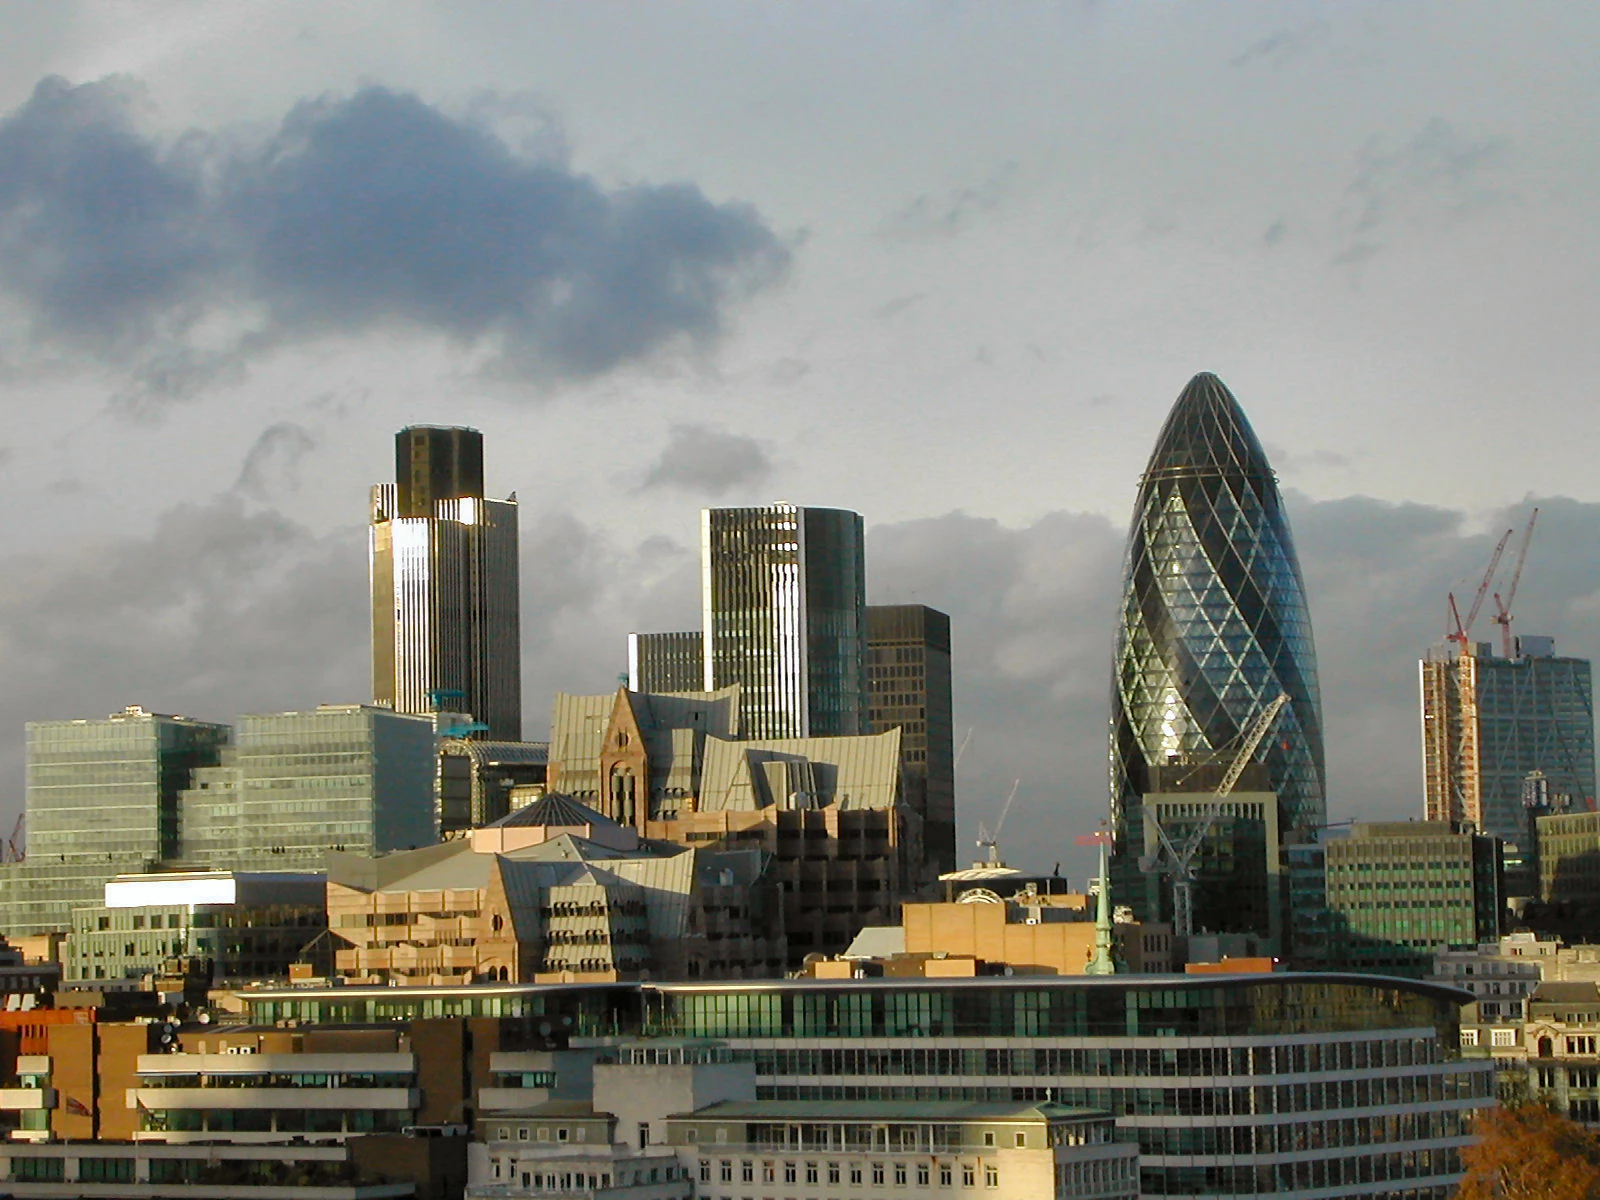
point(1214, 622)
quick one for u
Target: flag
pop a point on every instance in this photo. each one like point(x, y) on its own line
point(77, 1107)
point(1101, 837)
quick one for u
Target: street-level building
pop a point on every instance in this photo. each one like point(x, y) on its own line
point(1314, 1085)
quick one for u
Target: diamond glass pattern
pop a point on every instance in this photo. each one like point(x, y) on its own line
point(1214, 621)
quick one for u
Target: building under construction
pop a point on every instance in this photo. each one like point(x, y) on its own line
point(1489, 720)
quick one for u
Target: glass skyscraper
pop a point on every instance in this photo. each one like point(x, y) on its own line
point(1213, 621)
point(1488, 722)
point(345, 777)
point(445, 621)
point(103, 798)
point(784, 598)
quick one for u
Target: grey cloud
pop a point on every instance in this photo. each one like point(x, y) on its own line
point(1437, 175)
point(929, 216)
point(180, 259)
point(898, 305)
point(1275, 233)
point(698, 458)
point(271, 466)
point(1279, 47)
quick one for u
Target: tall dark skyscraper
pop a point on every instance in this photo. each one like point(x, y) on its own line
point(784, 597)
point(908, 669)
point(445, 623)
point(1213, 621)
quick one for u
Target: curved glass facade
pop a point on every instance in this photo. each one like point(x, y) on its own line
point(1214, 622)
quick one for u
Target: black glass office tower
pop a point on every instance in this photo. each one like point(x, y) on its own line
point(445, 622)
point(1214, 622)
point(784, 597)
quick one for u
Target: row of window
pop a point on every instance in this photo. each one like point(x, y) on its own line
point(900, 1172)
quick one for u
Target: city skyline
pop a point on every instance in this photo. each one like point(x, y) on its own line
point(962, 327)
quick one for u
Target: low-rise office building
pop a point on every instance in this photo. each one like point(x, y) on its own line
point(1402, 891)
point(1337, 1084)
point(224, 926)
point(553, 892)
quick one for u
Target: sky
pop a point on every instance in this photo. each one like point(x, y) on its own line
point(945, 264)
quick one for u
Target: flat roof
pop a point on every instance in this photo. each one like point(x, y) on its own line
point(1442, 991)
point(886, 1110)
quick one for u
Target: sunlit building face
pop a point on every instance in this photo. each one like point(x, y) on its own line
point(1213, 620)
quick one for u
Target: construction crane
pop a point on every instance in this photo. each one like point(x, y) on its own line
point(13, 851)
point(1502, 616)
point(1464, 628)
point(992, 840)
point(1178, 862)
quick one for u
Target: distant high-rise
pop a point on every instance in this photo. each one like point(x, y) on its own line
point(908, 669)
point(666, 662)
point(445, 625)
point(1489, 721)
point(784, 599)
point(1214, 622)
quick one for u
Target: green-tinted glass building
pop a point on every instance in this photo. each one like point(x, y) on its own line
point(103, 798)
point(349, 777)
point(784, 598)
point(1399, 892)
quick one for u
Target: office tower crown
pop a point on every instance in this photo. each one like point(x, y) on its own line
point(433, 463)
point(444, 575)
point(1214, 622)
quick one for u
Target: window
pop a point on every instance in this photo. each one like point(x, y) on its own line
point(988, 1137)
point(969, 1175)
point(747, 1171)
point(727, 1171)
point(561, 1133)
point(1022, 1140)
point(1503, 1037)
point(522, 1134)
point(877, 1172)
point(788, 1172)
point(900, 1174)
point(922, 1174)
point(811, 1172)
point(944, 1174)
point(503, 1134)
point(705, 1170)
point(833, 1172)
point(991, 1177)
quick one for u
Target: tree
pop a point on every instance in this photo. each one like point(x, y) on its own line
point(1530, 1153)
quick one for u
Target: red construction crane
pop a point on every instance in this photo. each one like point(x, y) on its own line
point(1464, 627)
point(1502, 615)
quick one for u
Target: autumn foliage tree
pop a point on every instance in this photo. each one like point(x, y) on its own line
point(1530, 1153)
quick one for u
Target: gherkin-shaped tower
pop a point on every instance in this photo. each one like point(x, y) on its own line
point(1213, 622)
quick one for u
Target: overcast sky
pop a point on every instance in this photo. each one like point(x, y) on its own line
point(946, 264)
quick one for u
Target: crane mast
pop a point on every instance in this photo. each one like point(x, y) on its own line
point(1178, 862)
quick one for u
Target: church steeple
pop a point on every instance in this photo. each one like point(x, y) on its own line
point(1103, 961)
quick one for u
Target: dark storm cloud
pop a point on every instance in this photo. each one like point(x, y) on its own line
point(698, 458)
point(182, 258)
point(272, 463)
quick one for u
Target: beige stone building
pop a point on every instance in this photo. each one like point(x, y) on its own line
point(554, 892)
point(828, 813)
